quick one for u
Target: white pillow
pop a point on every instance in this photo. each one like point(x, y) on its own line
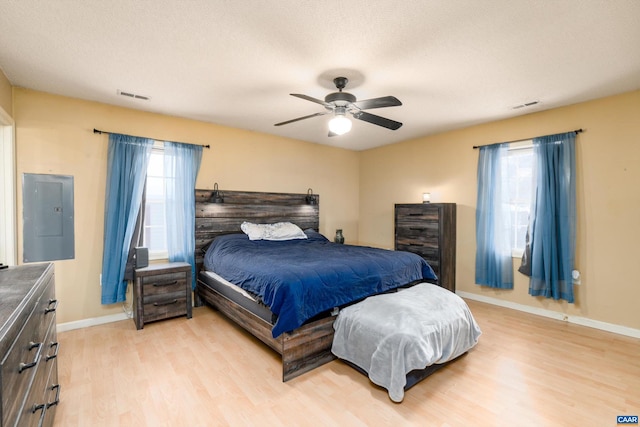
point(277, 231)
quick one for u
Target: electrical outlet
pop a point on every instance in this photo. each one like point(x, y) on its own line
point(577, 279)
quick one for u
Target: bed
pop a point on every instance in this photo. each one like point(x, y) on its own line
point(304, 341)
point(305, 276)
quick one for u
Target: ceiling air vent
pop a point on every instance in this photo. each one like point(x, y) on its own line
point(526, 104)
point(133, 95)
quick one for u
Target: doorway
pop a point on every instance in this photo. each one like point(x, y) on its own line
point(8, 240)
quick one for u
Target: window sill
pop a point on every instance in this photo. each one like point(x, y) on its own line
point(158, 256)
point(517, 253)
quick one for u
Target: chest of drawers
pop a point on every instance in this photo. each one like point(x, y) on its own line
point(162, 291)
point(28, 346)
point(429, 230)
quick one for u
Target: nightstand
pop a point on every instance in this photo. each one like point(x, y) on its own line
point(161, 291)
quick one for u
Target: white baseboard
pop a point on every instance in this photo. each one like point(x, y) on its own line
point(578, 320)
point(94, 321)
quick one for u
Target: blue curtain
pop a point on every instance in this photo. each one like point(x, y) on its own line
point(553, 217)
point(181, 165)
point(494, 266)
point(127, 162)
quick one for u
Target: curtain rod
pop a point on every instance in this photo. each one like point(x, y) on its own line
point(188, 143)
point(577, 131)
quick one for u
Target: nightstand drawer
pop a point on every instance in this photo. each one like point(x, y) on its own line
point(163, 284)
point(170, 305)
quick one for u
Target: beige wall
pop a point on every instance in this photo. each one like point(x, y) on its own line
point(608, 199)
point(6, 98)
point(55, 136)
point(358, 189)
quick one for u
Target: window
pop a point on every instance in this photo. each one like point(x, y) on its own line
point(519, 173)
point(155, 224)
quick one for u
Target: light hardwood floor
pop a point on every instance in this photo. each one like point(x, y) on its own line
point(525, 371)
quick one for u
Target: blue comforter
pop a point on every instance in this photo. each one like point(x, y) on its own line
point(298, 279)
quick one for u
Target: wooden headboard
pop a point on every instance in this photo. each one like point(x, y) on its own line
point(214, 219)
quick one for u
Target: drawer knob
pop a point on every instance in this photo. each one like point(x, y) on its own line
point(50, 309)
point(25, 366)
point(42, 407)
point(55, 387)
point(54, 355)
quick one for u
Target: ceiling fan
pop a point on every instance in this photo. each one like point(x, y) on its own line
point(340, 103)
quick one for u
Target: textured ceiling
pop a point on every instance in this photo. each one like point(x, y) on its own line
point(451, 63)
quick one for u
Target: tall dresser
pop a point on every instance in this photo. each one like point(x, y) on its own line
point(429, 230)
point(29, 387)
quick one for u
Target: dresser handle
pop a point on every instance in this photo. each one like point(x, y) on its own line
point(37, 408)
point(165, 284)
point(415, 214)
point(416, 244)
point(417, 228)
point(49, 309)
point(25, 366)
point(57, 399)
point(157, 304)
point(57, 345)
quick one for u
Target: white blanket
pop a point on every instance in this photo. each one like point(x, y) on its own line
point(392, 334)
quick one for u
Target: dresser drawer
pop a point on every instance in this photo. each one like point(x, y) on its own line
point(435, 265)
point(35, 405)
point(413, 225)
point(43, 398)
point(417, 236)
point(418, 213)
point(52, 395)
point(429, 253)
point(39, 408)
point(21, 362)
point(424, 250)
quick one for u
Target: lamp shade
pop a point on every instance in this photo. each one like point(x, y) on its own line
point(340, 125)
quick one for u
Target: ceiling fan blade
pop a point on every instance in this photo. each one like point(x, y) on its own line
point(332, 134)
point(377, 120)
point(385, 101)
point(301, 118)
point(312, 99)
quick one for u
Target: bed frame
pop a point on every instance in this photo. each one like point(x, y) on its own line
point(303, 349)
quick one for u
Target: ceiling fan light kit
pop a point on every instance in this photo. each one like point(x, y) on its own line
point(340, 124)
point(342, 103)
